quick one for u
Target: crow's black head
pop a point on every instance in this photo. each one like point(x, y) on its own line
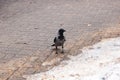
point(61, 30)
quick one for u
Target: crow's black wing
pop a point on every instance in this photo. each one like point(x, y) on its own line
point(55, 39)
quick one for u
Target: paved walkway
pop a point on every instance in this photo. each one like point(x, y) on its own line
point(27, 28)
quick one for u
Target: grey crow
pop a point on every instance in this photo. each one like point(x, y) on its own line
point(59, 40)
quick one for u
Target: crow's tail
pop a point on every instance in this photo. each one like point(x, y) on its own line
point(53, 45)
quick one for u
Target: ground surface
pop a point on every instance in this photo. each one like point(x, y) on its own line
point(27, 29)
point(98, 62)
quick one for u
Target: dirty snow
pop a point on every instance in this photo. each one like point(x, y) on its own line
point(98, 62)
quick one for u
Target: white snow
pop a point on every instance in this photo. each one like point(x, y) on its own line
point(98, 62)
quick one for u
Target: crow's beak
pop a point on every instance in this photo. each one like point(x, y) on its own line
point(64, 30)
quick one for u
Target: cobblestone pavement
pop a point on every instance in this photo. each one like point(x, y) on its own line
point(27, 28)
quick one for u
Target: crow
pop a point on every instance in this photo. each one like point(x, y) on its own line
point(59, 40)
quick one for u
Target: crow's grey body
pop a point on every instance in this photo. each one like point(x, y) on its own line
point(59, 40)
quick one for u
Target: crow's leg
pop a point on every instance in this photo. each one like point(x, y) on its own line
point(62, 49)
point(56, 50)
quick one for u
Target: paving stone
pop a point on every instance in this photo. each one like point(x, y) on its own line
point(5, 74)
point(16, 78)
